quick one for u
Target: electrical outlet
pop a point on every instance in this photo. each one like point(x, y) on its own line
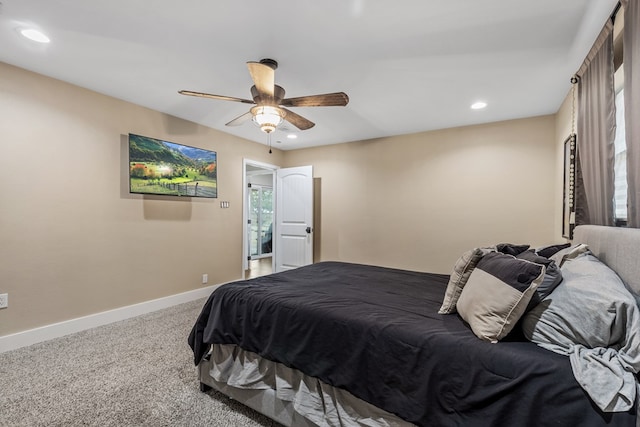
point(4, 300)
point(205, 279)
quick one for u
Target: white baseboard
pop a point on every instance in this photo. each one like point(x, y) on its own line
point(57, 330)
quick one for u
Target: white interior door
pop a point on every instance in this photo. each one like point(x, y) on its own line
point(294, 218)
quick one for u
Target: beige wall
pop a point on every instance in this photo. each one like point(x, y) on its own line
point(418, 201)
point(73, 240)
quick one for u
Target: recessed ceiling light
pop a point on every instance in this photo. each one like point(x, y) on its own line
point(292, 136)
point(35, 35)
point(478, 105)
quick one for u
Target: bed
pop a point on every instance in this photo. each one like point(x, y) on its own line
point(345, 344)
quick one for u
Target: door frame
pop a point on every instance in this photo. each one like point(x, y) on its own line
point(245, 209)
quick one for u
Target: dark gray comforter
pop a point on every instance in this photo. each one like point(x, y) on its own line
point(376, 332)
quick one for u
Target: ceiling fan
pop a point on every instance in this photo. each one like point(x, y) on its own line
point(269, 100)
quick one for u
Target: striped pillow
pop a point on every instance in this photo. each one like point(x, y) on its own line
point(497, 294)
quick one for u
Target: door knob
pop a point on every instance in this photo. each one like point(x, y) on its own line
point(308, 230)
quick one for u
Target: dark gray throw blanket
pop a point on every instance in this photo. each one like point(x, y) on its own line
point(594, 319)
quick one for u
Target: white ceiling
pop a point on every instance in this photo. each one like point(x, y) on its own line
point(407, 65)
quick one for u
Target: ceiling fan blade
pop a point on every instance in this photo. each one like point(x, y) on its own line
point(297, 120)
point(240, 119)
point(264, 77)
point(209, 95)
point(336, 99)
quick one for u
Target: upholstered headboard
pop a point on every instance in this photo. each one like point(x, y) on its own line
point(617, 247)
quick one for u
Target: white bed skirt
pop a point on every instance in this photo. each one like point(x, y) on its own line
point(286, 394)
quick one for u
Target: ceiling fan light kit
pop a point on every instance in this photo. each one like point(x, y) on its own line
point(267, 117)
point(269, 112)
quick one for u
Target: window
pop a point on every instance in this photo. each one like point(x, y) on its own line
point(620, 159)
point(620, 163)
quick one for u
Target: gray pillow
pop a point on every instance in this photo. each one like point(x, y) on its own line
point(497, 294)
point(552, 276)
point(459, 276)
point(571, 252)
point(549, 251)
point(511, 249)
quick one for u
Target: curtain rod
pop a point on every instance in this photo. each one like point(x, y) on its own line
point(606, 30)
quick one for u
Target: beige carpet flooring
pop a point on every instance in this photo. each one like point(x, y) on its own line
point(137, 372)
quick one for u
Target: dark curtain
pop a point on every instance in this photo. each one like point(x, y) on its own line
point(596, 133)
point(580, 198)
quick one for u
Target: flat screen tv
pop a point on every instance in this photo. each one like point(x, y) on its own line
point(170, 169)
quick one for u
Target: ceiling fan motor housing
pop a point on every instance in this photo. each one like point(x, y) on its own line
point(270, 62)
point(278, 95)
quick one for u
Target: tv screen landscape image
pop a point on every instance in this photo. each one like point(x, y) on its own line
point(170, 169)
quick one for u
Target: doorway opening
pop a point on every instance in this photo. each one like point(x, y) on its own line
point(258, 217)
point(260, 220)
